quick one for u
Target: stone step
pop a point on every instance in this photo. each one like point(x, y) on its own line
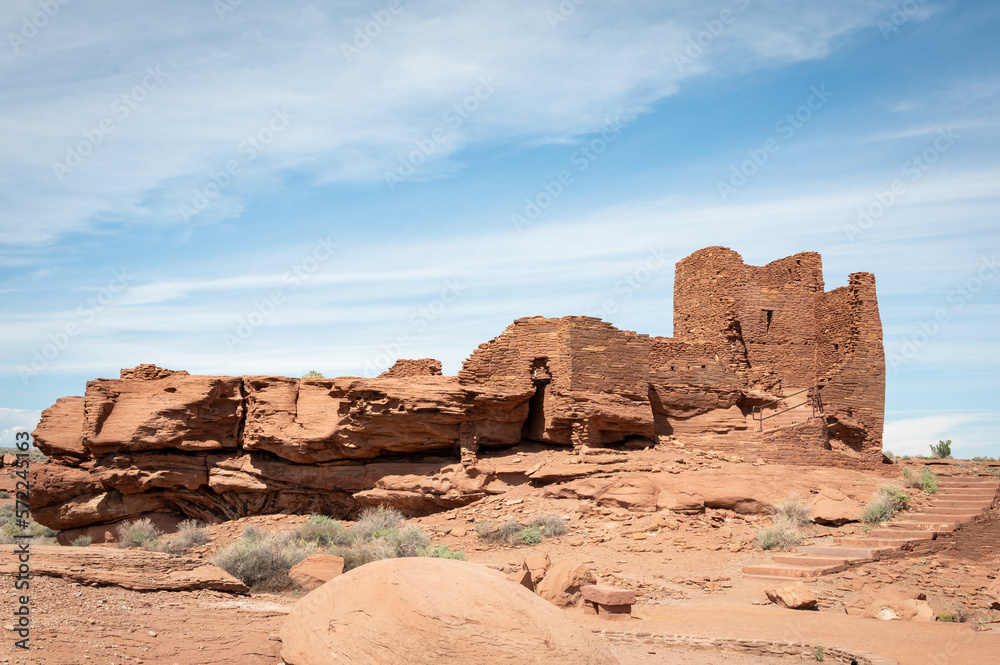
point(913, 534)
point(947, 510)
point(966, 496)
point(808, 560)
point(780, 571)
point(882, 543)
point(850, 553)
point(957, 517)
point(938, 527)
point(968, 482)
point(971, 505)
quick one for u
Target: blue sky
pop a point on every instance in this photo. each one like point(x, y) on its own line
point(242, 188)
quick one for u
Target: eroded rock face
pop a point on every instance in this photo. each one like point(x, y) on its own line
point(748, 337)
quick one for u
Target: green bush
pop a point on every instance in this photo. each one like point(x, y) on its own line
point(818, 654)
point(550, 524)
point(82, 541)
point(313, 374)
point(927, 481)
point(941, 450)
point(323, 531)
point(137, 533)
point(4, 494)
point(889, 500)
point(263, 562)
point(947, 617)
point(530, 536)
point(782, 534)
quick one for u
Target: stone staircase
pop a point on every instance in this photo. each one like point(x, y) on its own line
point(959, 500)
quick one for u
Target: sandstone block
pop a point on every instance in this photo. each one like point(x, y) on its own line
point(607, 595)
point(316, 570)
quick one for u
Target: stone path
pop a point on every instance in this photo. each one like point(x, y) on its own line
point(958, 502)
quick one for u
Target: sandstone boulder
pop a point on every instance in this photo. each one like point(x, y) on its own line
point(831, 506)
point(561, 584)
point(537, 563)
point(316, 570)
point(424, 611)
point(795, 597)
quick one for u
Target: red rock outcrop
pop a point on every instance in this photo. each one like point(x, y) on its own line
point(747, 338)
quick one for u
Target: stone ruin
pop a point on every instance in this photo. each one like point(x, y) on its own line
point(764, 365)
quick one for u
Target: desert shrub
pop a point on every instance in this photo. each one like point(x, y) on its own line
point(508, 533)
point(262, 562)
point(895, 495)
point(313, 374)
point(550, 524)
point(879, 510)
point(137, 533)
point(82, 541)
point(794, 510)
point(4, 494)
point(889, 500)
point(323, 531)
point(530, 536)
point(927, 481)
point(189, 533)
point(376, 521)
point(382, 533)
point(360, 553)
point(818, 654)
point(782, 534)
point(441, 552)
point(947, 617)
point(407, 540)
point(941, 449)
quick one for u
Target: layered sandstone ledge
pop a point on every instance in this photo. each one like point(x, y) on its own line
point(156, 441)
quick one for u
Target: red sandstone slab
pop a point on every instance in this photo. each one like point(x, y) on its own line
point(607, 595)
point(851, 553)
point(808, 560)
point(960, 517)
point(915, 534)
point(788, 572)
point(941, 510)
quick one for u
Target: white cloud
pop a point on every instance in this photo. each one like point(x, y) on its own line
point(16, 420)
point(219, 82)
